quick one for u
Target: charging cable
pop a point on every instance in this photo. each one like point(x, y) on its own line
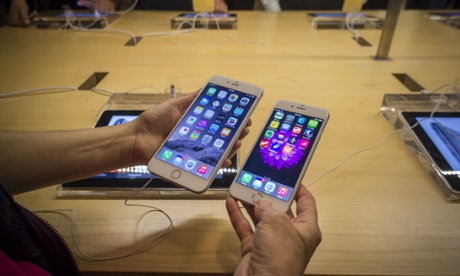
point(384, 139)
point(156, 239)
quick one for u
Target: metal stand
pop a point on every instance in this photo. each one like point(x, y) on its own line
point(389, 26)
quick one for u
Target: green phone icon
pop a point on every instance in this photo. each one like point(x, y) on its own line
point(246, 179)
point(166, 154)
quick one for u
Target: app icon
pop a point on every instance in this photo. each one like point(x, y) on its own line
point(304, 143)
point(287, 150)
point(190, 164)
point(166, 154)
point(279, 115)
point(221, 94)
point(282, 191)
point(285, 127)
point(191, 120)
point(276, 146)
point(292, 140)
point(214, 127)
point(218, 143)
point(244, 101)
point(211, 91)
point(280, 136)
point(238, 111)
point(202, 123)
point(178, 159)
point(198, 110)
point(246, 178)
point(215, 103)
point(227, 107)
point(264, 143)
point(269, 133)
point(232, 121)
point(184, 130)
point(274, 124)
point(257, 182)
point(195, 134)
point(233, 98)
point(208, 114)
point(296, 130)
point(290, 118)
point(270, 187)
point(202, 169)
point(206, 139)
point(301, 120)
point(225, 132)
point(220, 117)
point(308, 133)
point(204, 101)
point(312, 124)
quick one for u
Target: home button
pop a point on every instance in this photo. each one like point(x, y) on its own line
point(256, 197)
point(175, 174)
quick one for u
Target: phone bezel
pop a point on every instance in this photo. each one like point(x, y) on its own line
point(186, 179)
point(249, 195)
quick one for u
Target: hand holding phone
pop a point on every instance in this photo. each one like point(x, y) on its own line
point(199, 144)
point(280, 156)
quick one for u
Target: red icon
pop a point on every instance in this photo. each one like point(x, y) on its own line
point(297, 130)
point(264, 143)
point(202, 169)
point(282, 191)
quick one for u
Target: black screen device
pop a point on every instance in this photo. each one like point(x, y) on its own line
point(123, 181)
point(438, 135)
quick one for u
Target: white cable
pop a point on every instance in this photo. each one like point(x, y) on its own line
point(139, 248)
point(49, 88)
point(70, 19)
point(140, 87)
point(350, 27)
point(452, 87)
point(103, 91)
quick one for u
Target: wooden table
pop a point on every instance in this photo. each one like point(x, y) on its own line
point(380, 213)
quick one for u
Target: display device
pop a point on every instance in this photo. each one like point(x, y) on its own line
point(437, 136)
point(199, 144)
point(279, 158)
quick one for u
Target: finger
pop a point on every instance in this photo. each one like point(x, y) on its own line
point(263, 208)
point(250, 210)
point(306, 206)
point(235, 148)
point(241, 225)
point(24, 17)
point(86, 4)
point(249, 123)
point(184, 102)
point(227, 163)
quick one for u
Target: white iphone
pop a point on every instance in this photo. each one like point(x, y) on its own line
point(195, 150)
point(279, 158)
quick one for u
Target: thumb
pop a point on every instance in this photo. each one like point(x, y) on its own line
point(263, 208)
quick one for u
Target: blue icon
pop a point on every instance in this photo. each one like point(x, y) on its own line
point(276, 146)
point(301, 120)
point(238, 111)
point(285, 127)
point(214, 127)
point(204, 101)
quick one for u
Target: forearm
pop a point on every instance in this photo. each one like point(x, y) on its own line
point(31, 160)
